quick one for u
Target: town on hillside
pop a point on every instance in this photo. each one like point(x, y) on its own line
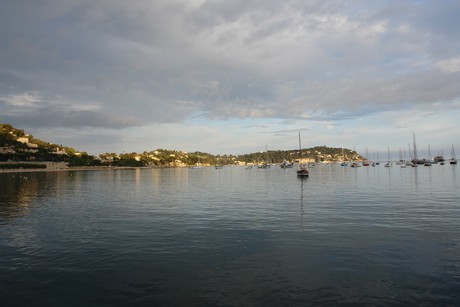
point(21, 150)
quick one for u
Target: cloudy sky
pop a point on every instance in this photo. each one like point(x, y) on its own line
point(232, 76)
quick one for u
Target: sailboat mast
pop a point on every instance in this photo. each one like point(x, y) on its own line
point(300, 149)
point(415, 147)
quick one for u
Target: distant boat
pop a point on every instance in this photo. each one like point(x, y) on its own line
point(219, 167)
point(453, 160)
point(343, 156)
point(286, 164)
point(248, 167)
point(354, 164)
point(428, 162)
point(415, 160)
point(439, 158)
point(366, 161)
point(389, 163)
point(401, 159)
point(302, 171)
point(198, 164)
point(265, 165)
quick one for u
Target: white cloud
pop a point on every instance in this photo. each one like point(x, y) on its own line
point(451, 65)
point(22, 100)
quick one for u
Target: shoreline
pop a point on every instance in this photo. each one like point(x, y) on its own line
point(78, 168)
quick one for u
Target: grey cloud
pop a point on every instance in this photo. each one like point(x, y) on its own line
point(52, 118)
point(165, 61)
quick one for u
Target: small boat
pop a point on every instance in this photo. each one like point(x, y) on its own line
point(366, 161)
point(219, 167)
point(453, 160)
point(344, 159)
point(302, 171)
point(428, 162)
point(389, 163)
point(265, 165)
point(198, 164)
point(248, 167)
point(286, 164)
point(354, 164)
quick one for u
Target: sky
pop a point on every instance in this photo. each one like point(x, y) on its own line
point(232, 77)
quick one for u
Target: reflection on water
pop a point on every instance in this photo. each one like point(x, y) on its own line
point(369, 235)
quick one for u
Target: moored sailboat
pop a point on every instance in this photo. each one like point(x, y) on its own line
point(453, 160)
point(302, 171)
point(389, 163)
point(266, 164)
point(343, 157)
point(286, 164)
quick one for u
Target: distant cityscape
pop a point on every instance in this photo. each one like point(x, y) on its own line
point(18, 147)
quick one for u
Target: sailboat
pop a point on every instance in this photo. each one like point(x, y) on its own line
point(415, 160)
point(453, 160)
point(266, 164)
point(401, 160)
point(428, 162)
point(389, 163)
point(285, 164)
point(343, 155)
point(198, 164)
point(366, 160)
point(302, 171)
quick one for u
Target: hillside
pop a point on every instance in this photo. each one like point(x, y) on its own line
point(16, 145)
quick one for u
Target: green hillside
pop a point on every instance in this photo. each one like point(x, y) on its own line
point(17, 145)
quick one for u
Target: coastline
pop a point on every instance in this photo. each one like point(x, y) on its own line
point(78, 168)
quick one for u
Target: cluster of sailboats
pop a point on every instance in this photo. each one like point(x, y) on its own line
point(414, 161)
point(302, 170)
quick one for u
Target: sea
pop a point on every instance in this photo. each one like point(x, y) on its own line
point(379, 236)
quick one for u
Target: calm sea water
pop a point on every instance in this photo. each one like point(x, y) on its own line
point(231, 237)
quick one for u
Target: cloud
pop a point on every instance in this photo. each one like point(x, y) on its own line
point(118, 64)
point(34, 110)
point(451, 65)
point(70, 119)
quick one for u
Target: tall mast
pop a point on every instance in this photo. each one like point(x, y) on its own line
point(300, 149)
point(415, 147)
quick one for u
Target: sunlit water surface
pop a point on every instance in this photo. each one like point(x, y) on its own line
point(231, 237)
